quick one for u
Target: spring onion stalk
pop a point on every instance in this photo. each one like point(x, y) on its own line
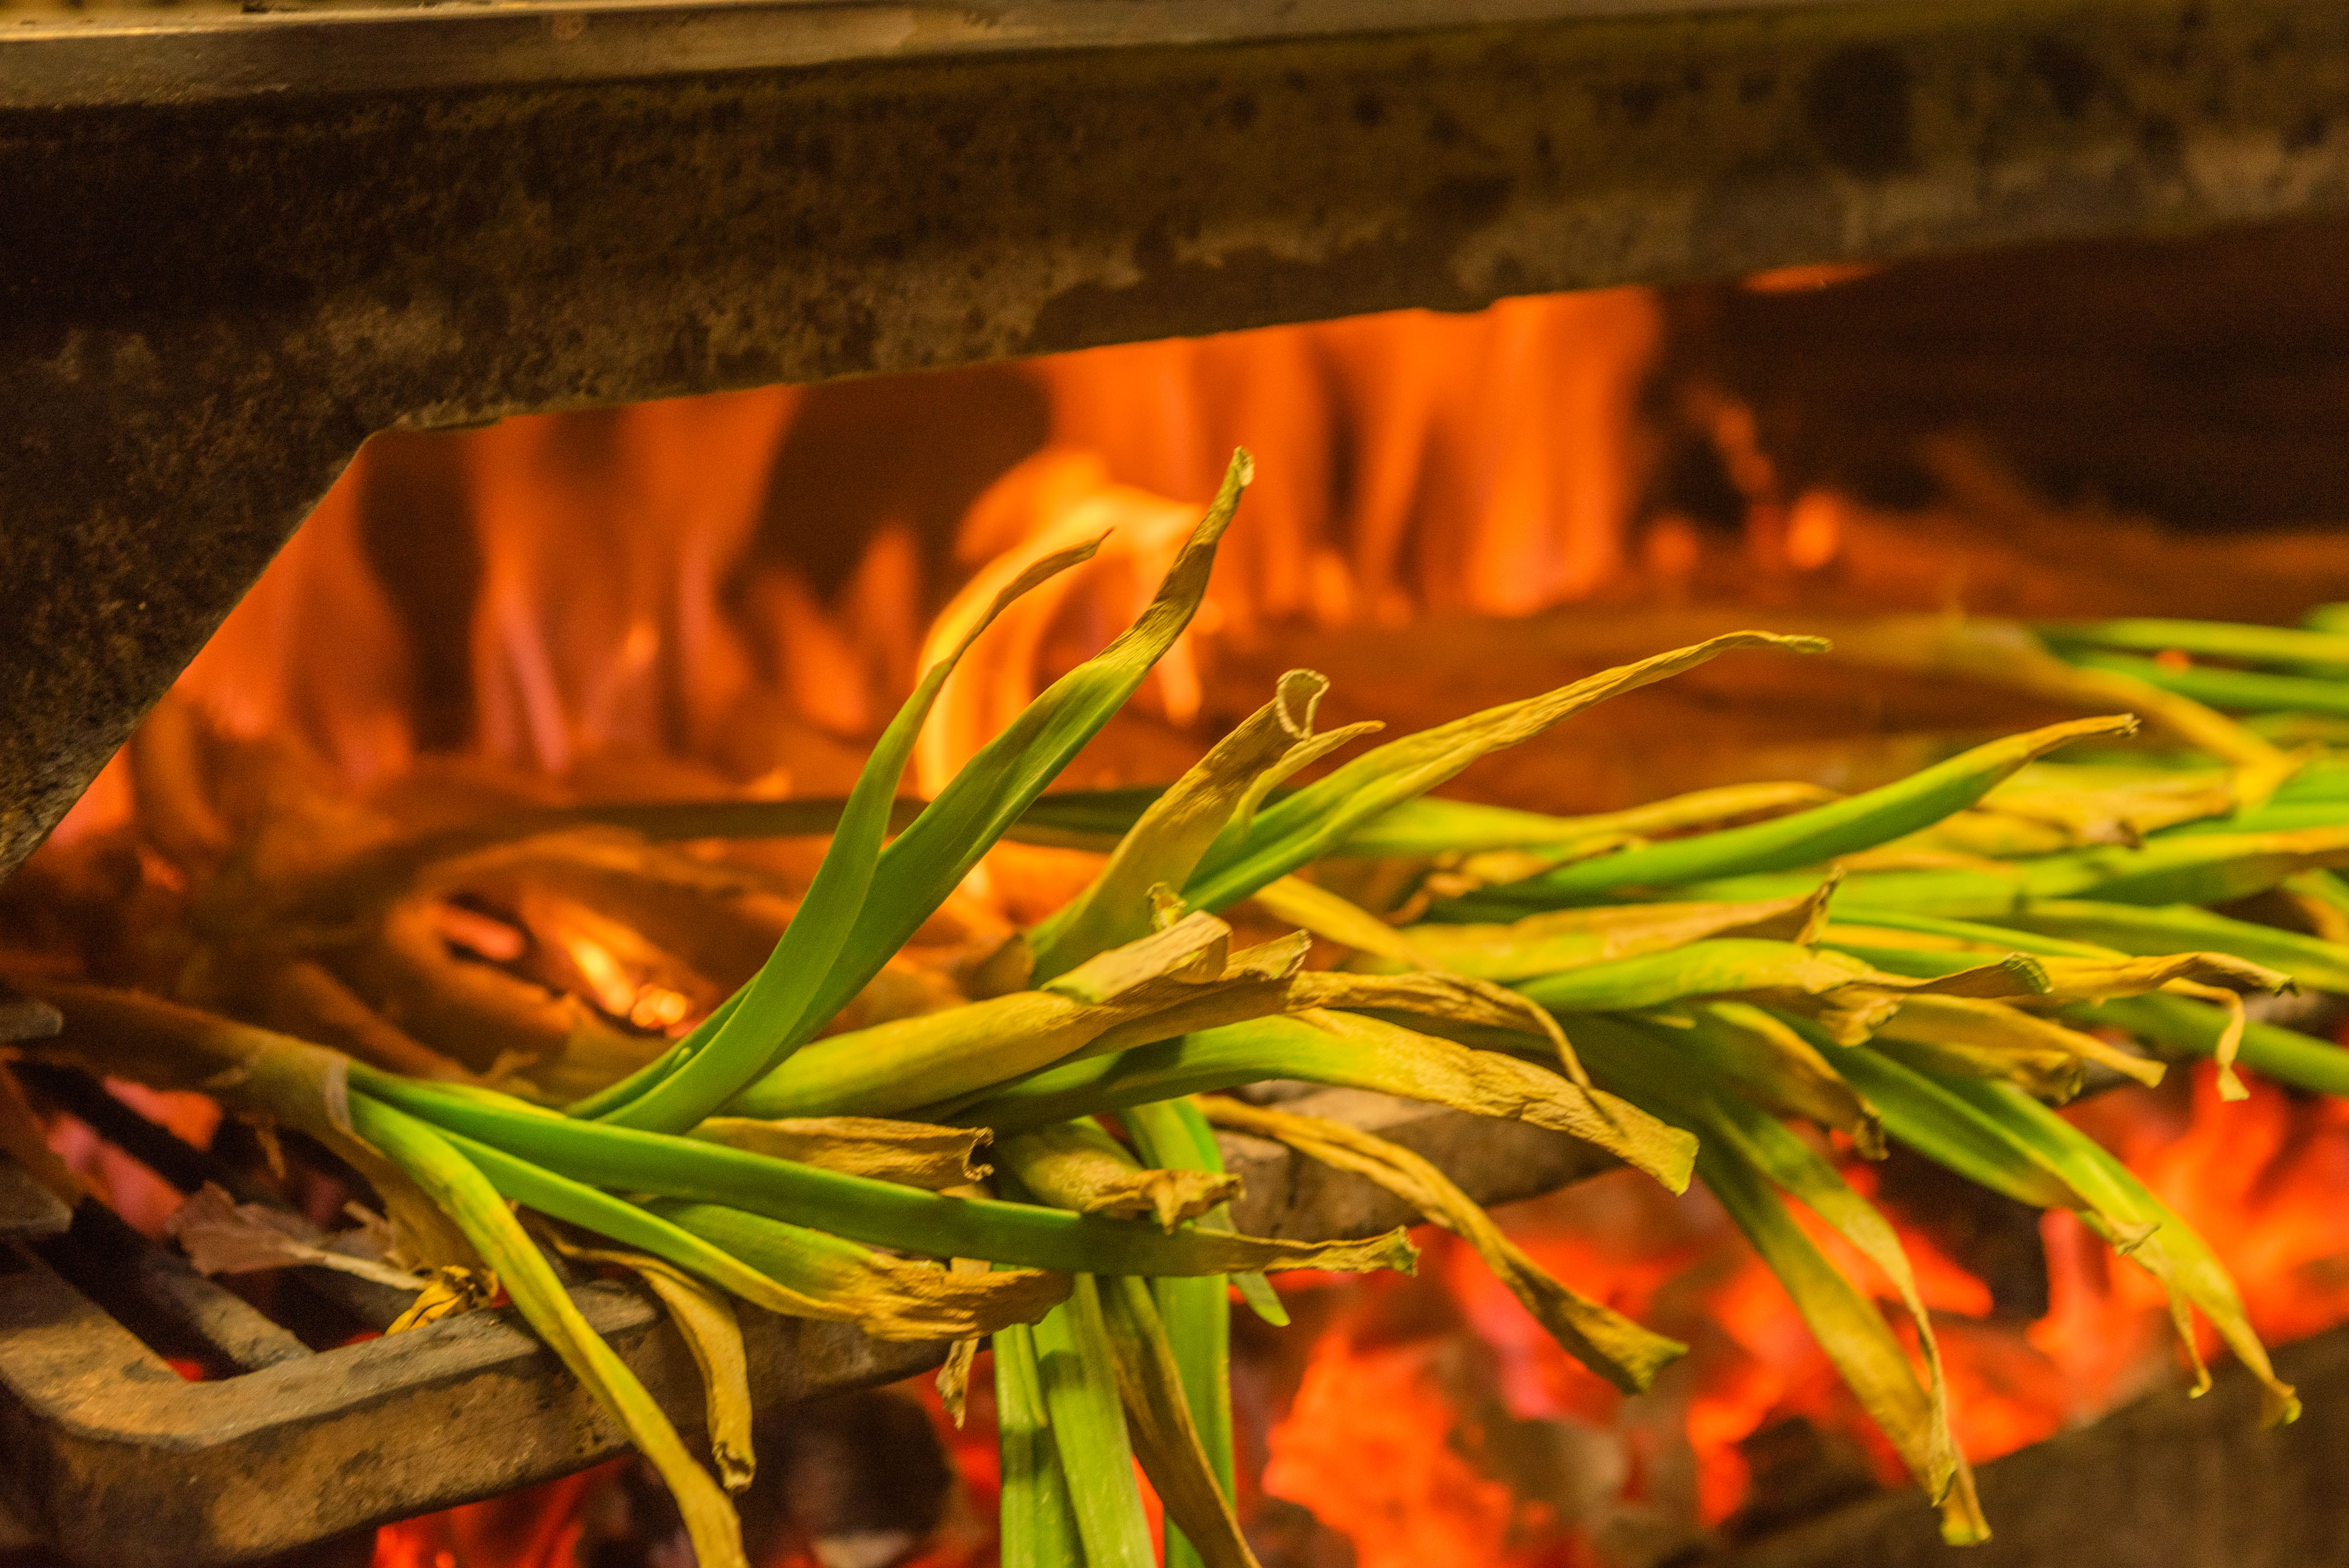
point(1165, 845)
point(2169, 1248)
point(1768, 1062)
point(575, 1203)
point(2170, 928)
point(1432, 827)
point(1088, 1426)
point(1076, 1165)
point(1569, 939)
point(1351, 1051)
point(1747, 1159)
point(1322, 815)
point(1604, 1340)
point(773, 1015)
point(915, 1062)
point(1805, 838)
point(1039, 1516)
point(2235, 690)
point(912, 1154)
point(1852, 919)
point(2325, 651)
point(2179, 1024)
point(1166, 1441)
point(469, 1199)
point(1174, 1133)
point(704, 1320)
point(889, 1298)
point(2005, 654)
point(993, 790)
point(1196, 1320)
point(1853, 1333)
point(2186, 868)
point(879, 1214)
point(1720, 966)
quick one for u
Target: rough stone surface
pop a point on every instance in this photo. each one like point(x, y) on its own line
point(218, 275)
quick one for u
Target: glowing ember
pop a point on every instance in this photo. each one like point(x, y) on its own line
point(133, 1191)
point(1372, 1447)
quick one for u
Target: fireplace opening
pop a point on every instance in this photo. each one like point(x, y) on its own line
point(503, 667)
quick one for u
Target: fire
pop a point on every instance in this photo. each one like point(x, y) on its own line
point(136, 1193)
point(1054, 500)
point(541, 1528)
point(566, 593)
point(2260, 1178)
point(637, 603)
point(1372, 1447)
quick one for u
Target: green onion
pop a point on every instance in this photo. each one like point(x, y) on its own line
point(2167, 929)
point(1318, 818)
point(1195, 1313)
point(1199, 1518)
point(1743, 1155)
point(995, 788)
point(2197, 1028)
point(1039, 1518)
point(1353, 1052)
point(1076, 1165)
point(1608, 1343)
point(2214, 639)
point(1174, 1134)
point(1163, 847)
point(2240, 690)
point(1432, 827)
point(879, 1214)
point(1088, 1426)
point(2171, 1250)
point(1805, 838)
point(468, 1198)
point(774, 1014)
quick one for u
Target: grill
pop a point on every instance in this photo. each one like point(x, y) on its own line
point(115, 1459)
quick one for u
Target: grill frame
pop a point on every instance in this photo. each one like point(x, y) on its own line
point(115, 1460)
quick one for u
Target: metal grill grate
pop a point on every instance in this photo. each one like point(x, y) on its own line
point(117, 1459)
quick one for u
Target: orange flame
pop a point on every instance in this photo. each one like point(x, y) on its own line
point(2260, 1179)
point(1370, 1447)
point(1054, 500)
point(628, 580)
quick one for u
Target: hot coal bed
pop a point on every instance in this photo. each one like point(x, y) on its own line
point(243, 241)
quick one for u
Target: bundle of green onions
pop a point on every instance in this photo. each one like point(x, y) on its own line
point(1707, 985)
